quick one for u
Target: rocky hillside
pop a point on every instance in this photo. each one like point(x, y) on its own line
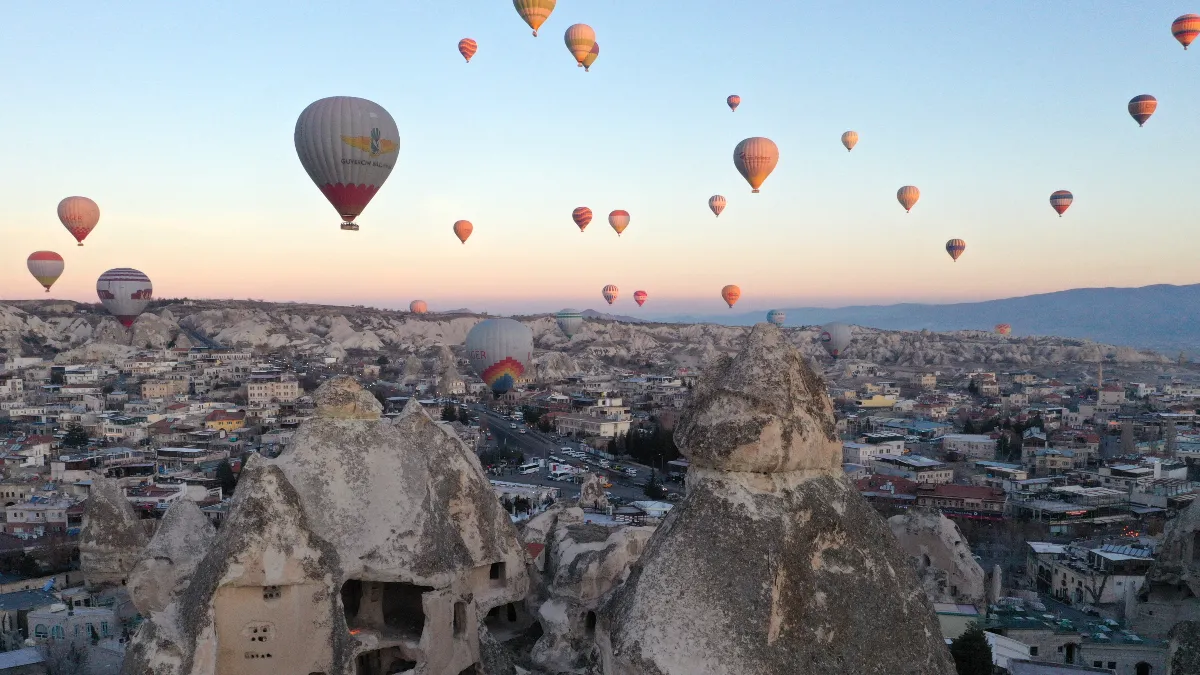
point(82, 331)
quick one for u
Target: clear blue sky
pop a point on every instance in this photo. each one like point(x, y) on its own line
point(177, 118)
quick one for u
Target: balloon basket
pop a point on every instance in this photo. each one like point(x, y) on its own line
point(350, 227)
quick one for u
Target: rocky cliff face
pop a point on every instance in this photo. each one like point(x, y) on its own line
point(113, 537)
point(945, 566)
point(45, 327)
point(772, 563)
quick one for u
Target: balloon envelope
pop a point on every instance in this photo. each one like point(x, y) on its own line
point(534, 12)
point(777, 317)
point(619, 220)
point(79, 215)
point(582, 216)
point(733, 102)
point(125, 293)
point(591, 57)
point(1142, 107)
point(1060, 201)
point(717, 204)
point(418, 307)
point(580, 39)
point(1003, 328)
point(500, 351)
point(850, 139)
point(46, 267)
point(348, 146)
point(908, 196)
point(730, 295)
point(467, 47)
point(955, 248)
point(569, 321)
point(1186, 28)
point(755, 158)
point(640, 297)
point(463, 229)
point(610, 293)
point(835, 338)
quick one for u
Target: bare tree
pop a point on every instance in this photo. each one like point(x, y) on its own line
point(64, 658)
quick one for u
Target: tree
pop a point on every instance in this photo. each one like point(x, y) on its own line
point(76, 437)
point(226, 477)
point(64, 658)
point(381, 361)
point(654, 489)
point(449, 413)
point(972, 653)
point(545, 425)
point(464, 416)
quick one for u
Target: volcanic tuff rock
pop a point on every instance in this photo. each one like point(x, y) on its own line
point(113, 537)
point(591, 492)
point(820, 585)
point(945, 565)
point(366, 537)
point(167, 564)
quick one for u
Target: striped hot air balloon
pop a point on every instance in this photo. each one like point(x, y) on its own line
point(1142, 107)
point(534, 12)
point(619, 220)
point(125, 293)
point(582, 216)
point(755, 158)
point(79, 215)
point(730, 295)
point(1060, 201)
point(733, 102)
point(467, 47)
point(717, 204)
point(955, 248)
point(46, 267)
point(610, 293)
point(569, 321)
point(640, 297)
point(463, 229)
point(1186, 28)
point(500, 351)
point(591, 58)
point(418, 307)
point(850, 139)
point(580, 39)
point(908, 196)
point(1003, 328)
point(777, 317)
point(348, 146)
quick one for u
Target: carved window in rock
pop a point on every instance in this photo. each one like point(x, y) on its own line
point(460, 619)
point(272, 593)
point(259, 631)
point(258, 655)
point(496, 573)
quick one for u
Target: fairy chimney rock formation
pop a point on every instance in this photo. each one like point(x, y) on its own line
point(772, 563)
point(113, 538)
point(944, 563)
point(591, 493)
point(180, 543)
point(369, 546)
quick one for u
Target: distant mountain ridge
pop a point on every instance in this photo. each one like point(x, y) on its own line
point(1163, 317)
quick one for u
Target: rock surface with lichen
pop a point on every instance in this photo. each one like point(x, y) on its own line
point(113, 537)
point(357, 510)
point(591, 492)
point(772, 563)
point(945, 566)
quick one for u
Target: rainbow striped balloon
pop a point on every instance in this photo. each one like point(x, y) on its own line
point(500, 351)
point(1060, 201)
point(1186, 28)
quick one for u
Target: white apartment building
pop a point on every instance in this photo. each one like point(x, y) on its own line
point(11, 385)
point(586, 425)
point(271, 387)
point(978, 446)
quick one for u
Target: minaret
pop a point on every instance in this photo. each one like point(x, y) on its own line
point(1100, 377)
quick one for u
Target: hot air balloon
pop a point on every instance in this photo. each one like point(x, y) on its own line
point(777, 317)
point(348, 146)
point(619, 220)
point(755, 158)
point(79, 215)
point(463, 229)
point(591, 57)
point(850, 139)
point(1142, 107)
point(640, 297)
point(124, 293)
point(467, 47)
point(733, 102)
point(1186, 28)
point(46, 267)
point(955, 248)
point(582, 216)
point(500, 351)
point(717, 204)
point(534, 12)
point(730, 295)
point(1003, 328)
point(569, 321)
point(418, 307)
point(1060, 201)
point(580, 39)
point(610, 293)
point(835, 337)
point(908, 196)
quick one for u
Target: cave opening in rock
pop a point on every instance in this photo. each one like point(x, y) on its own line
point(1196, 546)
point(389, 661)
point(590, 623)
point(384, 606)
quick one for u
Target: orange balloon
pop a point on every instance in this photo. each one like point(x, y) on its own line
point(463, 229)
point(730, 295)
point(467, 47)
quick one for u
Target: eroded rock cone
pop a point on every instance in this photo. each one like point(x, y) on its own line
point(773, 563)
